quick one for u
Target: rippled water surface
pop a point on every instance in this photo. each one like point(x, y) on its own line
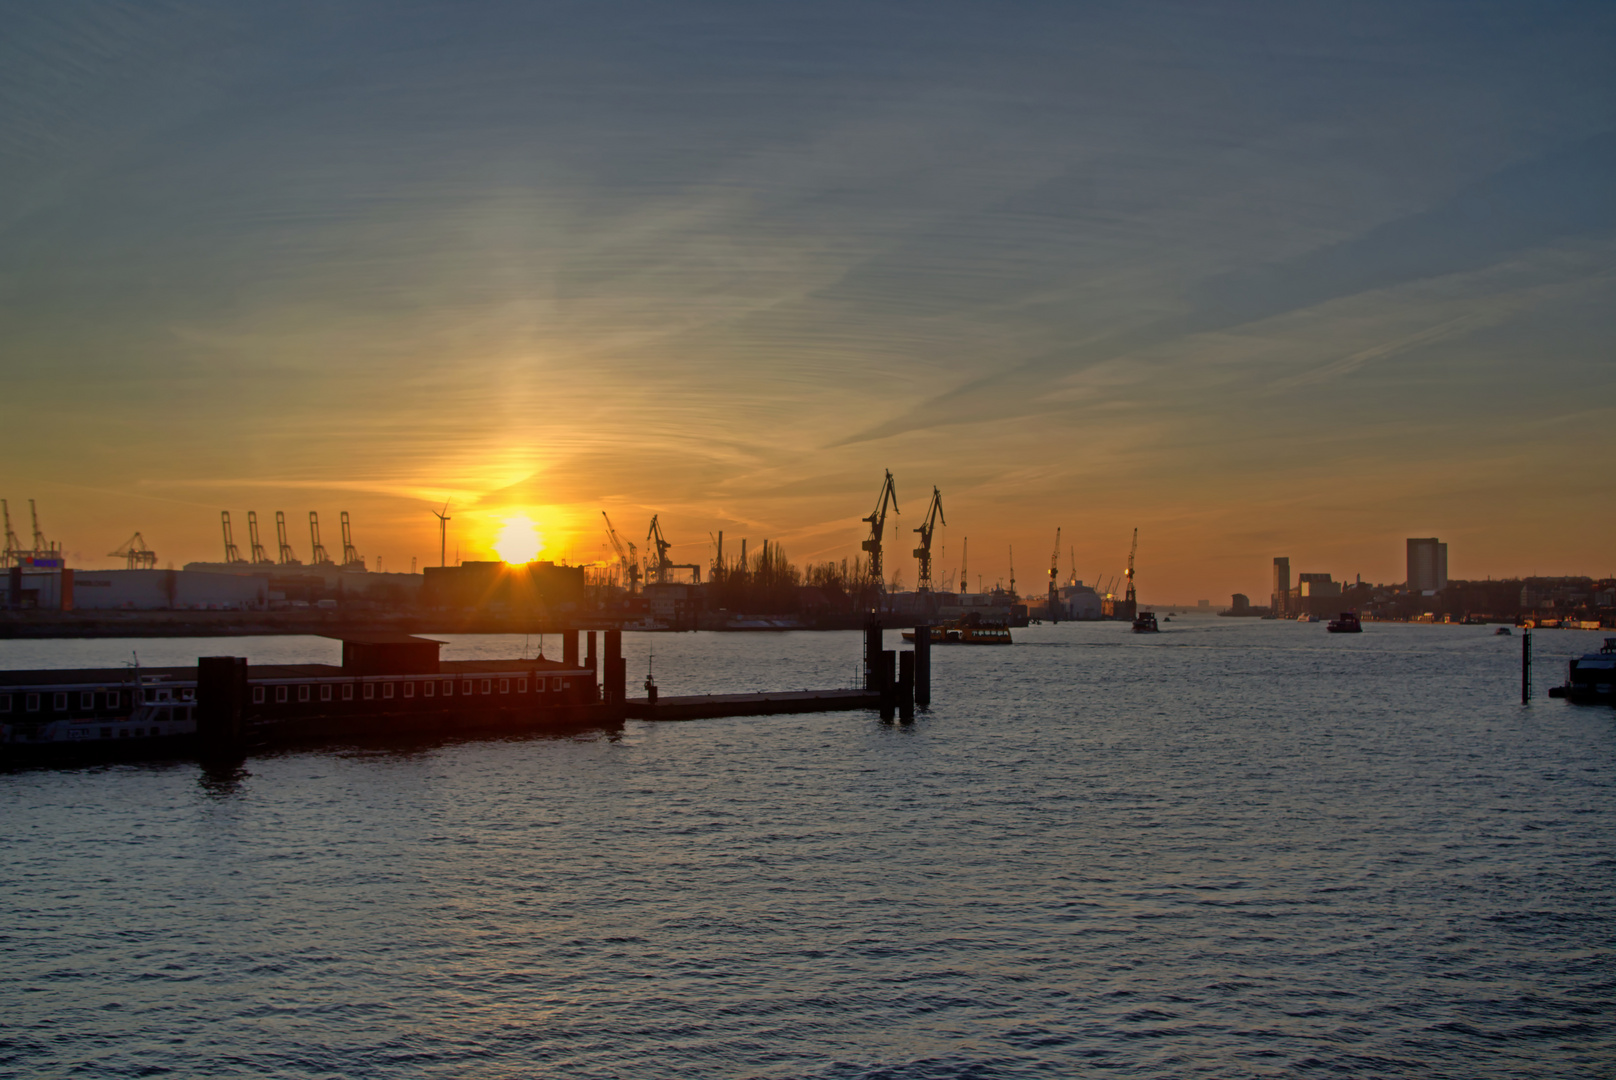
point(1235, 849)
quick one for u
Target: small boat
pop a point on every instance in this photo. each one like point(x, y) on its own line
point(1503, 631)
point(1145, 623)
point(1345, 623)
point(1591, 678)
point(1307, 618)
point(971, 630)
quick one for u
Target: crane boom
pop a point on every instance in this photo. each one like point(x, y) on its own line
point(631, 569)
point(317, 553)
point(878, 523)
point(137, 555)
point(965, 566)
point(351, 559)
point(13, 545)
point(664, 564)
point(934, 515)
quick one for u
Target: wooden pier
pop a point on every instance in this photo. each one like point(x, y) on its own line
point(713, 706)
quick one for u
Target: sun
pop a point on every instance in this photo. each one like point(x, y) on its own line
point(518, 541)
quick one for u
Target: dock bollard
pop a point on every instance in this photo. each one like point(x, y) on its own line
point(872, 655)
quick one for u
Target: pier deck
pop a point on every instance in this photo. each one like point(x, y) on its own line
point(710, 706)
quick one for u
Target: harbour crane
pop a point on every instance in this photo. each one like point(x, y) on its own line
point(443, 535)
point(1054, 579)
point(626, 558)
point(1132, 600)
point(40, 547)
point(138, 556)
point(663, 564)
point(317, 555)
point(351, 559)
point(13, 550)
point(288, 557)
point(965, 564)
point(1012, 573)
point(259, 556)
point(878, 523)
point(934, 515)
point(232, 554)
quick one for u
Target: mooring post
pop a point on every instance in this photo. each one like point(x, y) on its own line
point(886, 682)
point(923, 667)
point(1526, 667)
point(593, 661)
point(569, 648)
point(221, 699)
point(906, 687)
point(615, 682)
point(872, 655)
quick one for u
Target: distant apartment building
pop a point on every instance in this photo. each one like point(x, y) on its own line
point(1281, 592)
point(1427, 565)
point(1316, 594)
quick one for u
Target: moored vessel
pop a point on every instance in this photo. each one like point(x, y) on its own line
point(1591, 678)
point(1145, 623)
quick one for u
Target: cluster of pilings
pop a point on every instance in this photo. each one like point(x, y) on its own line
point(903, 679)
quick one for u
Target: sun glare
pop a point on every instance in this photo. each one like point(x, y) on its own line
point(519, 540)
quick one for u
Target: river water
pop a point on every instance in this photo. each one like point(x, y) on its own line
point(1237, 848)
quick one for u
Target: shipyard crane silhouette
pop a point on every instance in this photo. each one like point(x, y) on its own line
point(13, 550)
point(663, 564)
point(443, 533)
point(878, 523)
point(137, 556)
point(288, 557)
point(934, 515)
point(351, 559)
point(232, 554)
point(965, 566)
point(1054, 580)
point(317, 556)
point(259, 556)
point(628, 559)
point(1132, 600)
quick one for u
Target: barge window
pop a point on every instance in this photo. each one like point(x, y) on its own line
point(5, 702)
point(106, 733)
point(347, 691)
point(32, 701)
point(504, 686)
point(325, 691)
point(370, 690)
point(488, 686)
point(258, 695)
point(387, 690)
point(465, 687)
point(59, 702)
point(280, 695)
point(113, 698)
point(429, 688)
point(521, 686)
point(87, 699)
point(409, 689)
point(558, 685)
point(538, 684)
point(303, 692)
point(448, 688)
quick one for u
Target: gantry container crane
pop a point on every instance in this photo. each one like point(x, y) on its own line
point(659, 569)
point(13, 550)
point(288, 557)
point(259, 556)
point(232, 554)
point(138, 556)
point(934, 515)
point(351, 559)
point(878, 523)
point(317, 554)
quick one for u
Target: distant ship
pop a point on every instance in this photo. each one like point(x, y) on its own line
point(1145, 623)
point(1345, 623)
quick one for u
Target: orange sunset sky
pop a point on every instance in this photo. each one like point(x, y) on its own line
point(1255, 279)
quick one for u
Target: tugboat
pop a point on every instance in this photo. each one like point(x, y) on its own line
point(1145, 623)
point(1591, 678)
point(1345, 623)
point(1503, 631)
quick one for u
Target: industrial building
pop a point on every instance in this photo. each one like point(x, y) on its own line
point(134, 590)
point(536, 588)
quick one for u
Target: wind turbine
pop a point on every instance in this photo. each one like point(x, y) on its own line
point(443, 533)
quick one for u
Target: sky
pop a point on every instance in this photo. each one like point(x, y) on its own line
point(1256, 279)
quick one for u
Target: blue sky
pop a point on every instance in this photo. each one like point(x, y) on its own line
point(1256, 278)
